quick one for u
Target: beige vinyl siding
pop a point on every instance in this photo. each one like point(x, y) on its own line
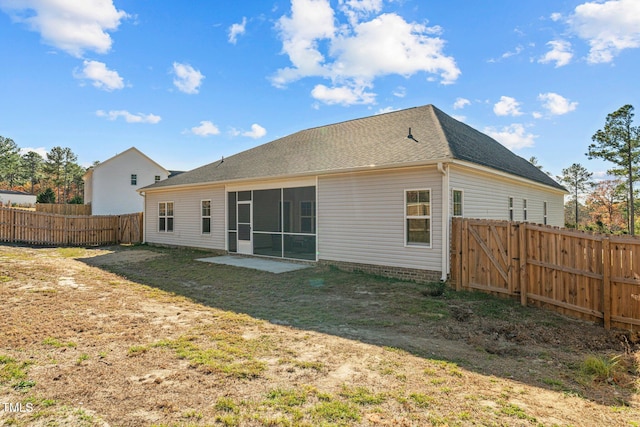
point(187, 223)
point(487, 197)
point(361, 218)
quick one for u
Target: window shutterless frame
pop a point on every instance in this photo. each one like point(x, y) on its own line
point(457, 197)
point(417, 213)
point(205, 214)
point(165, 217)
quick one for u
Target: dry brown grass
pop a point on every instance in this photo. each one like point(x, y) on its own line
point(144, 336)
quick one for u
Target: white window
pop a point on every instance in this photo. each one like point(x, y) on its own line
point(418, 217)
point(165, 216)
point(156, 178)
point(134, 179)
point(510, 208)
point(544, 213)
point(457, 202)
point(205, 208)
point(524, 209)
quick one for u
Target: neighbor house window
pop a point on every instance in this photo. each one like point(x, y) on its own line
point(418, 217)
point(457, 202)
point(544, 213)
point(510, 208)
point(156, 178)
point(524, 209)
point(307, 217)
point(206, 216)
point(134, 179)
point(165, 216)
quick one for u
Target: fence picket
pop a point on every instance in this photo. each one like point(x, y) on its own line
point(38, 228)
point(584, 275)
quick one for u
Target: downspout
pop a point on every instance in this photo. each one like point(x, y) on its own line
point(444, 170)
point(144, 217)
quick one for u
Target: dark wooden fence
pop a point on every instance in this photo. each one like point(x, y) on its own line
point(37, 228)
point(584, 275)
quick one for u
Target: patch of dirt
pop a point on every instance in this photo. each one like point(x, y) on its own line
point(103, 349)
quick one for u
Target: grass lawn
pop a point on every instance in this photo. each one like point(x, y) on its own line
point(149, 336)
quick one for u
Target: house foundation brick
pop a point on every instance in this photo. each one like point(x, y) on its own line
point(412, 274)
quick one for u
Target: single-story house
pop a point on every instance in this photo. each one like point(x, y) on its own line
point(16, 198)
point(110, 187)
point(374, 194)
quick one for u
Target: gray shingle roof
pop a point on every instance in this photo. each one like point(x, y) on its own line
point(379, 141)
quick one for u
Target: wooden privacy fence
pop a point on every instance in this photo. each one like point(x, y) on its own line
point(36, 228)
point(63, 209)
point(584, 275)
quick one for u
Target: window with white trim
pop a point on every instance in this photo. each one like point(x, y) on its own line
point(524, 209)
point(156, 178)
point(205, 208)
point(544, 213)
point(165, 216)
point(418, 217)
point(134, 179)
point(457, 202)
point(510, 208)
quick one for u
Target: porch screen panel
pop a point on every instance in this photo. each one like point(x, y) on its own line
point(232, 222)
point(266, 210)
point(301, 217)
point(300, 246)
point(267, 224)
point(231, 211)
point(299, 222)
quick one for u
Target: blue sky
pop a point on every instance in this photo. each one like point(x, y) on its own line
point(189, 82)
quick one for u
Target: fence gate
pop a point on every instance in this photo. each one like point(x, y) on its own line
point(130, 228)
point(487, 257)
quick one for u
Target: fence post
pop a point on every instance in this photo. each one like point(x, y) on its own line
point(12, 222)
point(464, 254)
point(606, 282)
point(524, 284)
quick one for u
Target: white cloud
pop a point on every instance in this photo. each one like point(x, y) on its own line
point(40, 150)
point(206, 128)
point(507, 106)
point(343, 95)
point(256, 131)
point(352, 55)
point(385, 110)
point(609, 27)
point(359, 9)
point(102, 77)
point(400, 92)
point(73, 26)
point(513, 136)
point(560, 53)
point(129, 117)
point(556, 16)
point(237, 30)
point(555, 104)
point(187, 79)
point(461, 103)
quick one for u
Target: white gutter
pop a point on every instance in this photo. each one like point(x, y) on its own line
point(144, 216)
point(443, 168)
point(298, 175)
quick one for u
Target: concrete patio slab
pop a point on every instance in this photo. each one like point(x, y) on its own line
point(271, 266)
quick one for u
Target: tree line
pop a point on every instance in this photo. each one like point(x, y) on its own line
point(56, 179)
point(607, 206)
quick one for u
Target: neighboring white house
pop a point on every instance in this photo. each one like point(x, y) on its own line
point(16, 198)
point(374, 194)
point(111, 187)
